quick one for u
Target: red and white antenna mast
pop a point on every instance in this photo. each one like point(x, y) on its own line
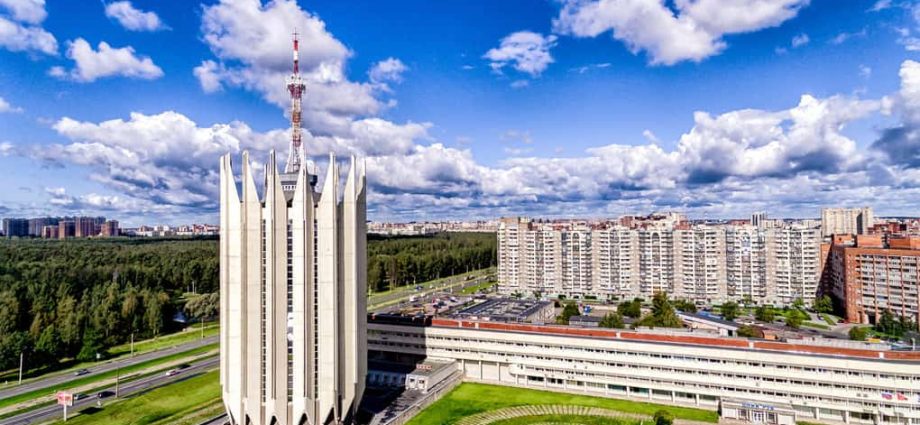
point(296, 87)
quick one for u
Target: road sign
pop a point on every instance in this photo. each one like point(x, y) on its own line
point(64, 398)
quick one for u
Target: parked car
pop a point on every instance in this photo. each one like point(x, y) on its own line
point(81, 372)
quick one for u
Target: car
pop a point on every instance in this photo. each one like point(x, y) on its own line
point(184, 366)
point(172, 372)
point(79, 396)
point(81, 372)
point(104, 394)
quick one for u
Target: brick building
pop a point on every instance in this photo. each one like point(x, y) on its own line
point(868, 274)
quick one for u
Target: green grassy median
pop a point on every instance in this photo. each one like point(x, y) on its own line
point(170, 404)
point(472, 398)
point(91, 378)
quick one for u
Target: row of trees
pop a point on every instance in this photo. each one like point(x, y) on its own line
point(72, 299)
point(400, 261)
point(75, 298)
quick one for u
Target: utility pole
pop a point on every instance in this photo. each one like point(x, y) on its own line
point(21, 354)
point(202, 327)
point(132, 344)
point(117, 373)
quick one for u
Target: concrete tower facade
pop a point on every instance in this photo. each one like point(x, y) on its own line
point(293, 278)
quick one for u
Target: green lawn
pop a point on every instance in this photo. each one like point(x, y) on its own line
point(565, 419)
point(192, 333)
point(471, 398)
point(816, 325)
point(830, 319)
point(89, 379)
point(164, 405)
point(470, 290)
point(143, 346)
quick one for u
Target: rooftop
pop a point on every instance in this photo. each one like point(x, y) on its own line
point(709, 341)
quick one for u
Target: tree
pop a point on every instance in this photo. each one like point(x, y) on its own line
point(630, 308)
point(663, 417)
point(765, 313)
point(748, 331)
point(612, 320)
point(824, 304)
point(730, 310)
point(662, 314)
point(859, 333)
point(887, 324)
point(204, 305)
point(799, 304)
point(685, 306)
point(794, 318)
point(570, 309)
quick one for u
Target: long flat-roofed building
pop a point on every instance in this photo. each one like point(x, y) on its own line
point(751, 380)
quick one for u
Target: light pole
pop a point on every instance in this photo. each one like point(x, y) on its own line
point(21, 356)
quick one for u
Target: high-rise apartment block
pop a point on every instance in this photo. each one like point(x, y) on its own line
point(66, 229)
point(707, 263)
point(846, 221)
point(867, 275)
point(15, 227)
point(109, 229)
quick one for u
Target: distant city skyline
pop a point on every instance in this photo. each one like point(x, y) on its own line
point(553, 109)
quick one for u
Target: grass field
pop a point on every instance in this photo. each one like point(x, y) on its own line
point(470, 290)
point(192, 333)
point(471, 398)
point(564, 419)
point(816, 325)
point(166, 405)
point(143, 346)
point(89, 379)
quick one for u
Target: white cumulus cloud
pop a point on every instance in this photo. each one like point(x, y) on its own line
point(6, 107)
point(525, 51)
point(133, 19)
point(694, 31)
point(106, 61)
point(21, 31)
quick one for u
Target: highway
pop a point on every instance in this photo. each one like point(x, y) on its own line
point(402, 294)
point(219, 420)
point(53, 412)
point(60, 378)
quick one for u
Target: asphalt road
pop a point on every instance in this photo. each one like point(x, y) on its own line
point(52, 412)
point(220, 420)
point(62, 378)
point(458, 282)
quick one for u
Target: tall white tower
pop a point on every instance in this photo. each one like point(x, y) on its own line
point(293, 278)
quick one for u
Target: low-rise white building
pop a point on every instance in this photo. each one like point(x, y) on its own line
point(752, 380)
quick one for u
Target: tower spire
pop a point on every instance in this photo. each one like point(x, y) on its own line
point(295, 86)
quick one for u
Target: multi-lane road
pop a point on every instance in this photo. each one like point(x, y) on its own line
point(62, 378)
point(48, 413)
point(403, 294)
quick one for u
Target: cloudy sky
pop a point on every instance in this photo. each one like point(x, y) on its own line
point(468, 108)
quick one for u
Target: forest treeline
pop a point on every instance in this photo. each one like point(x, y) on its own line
point(398, 261)
point(72, 299)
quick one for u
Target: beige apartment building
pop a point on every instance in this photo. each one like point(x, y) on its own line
point(706, 263)
point(846, 221)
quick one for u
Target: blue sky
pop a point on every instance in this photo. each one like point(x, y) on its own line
point(468, 109)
